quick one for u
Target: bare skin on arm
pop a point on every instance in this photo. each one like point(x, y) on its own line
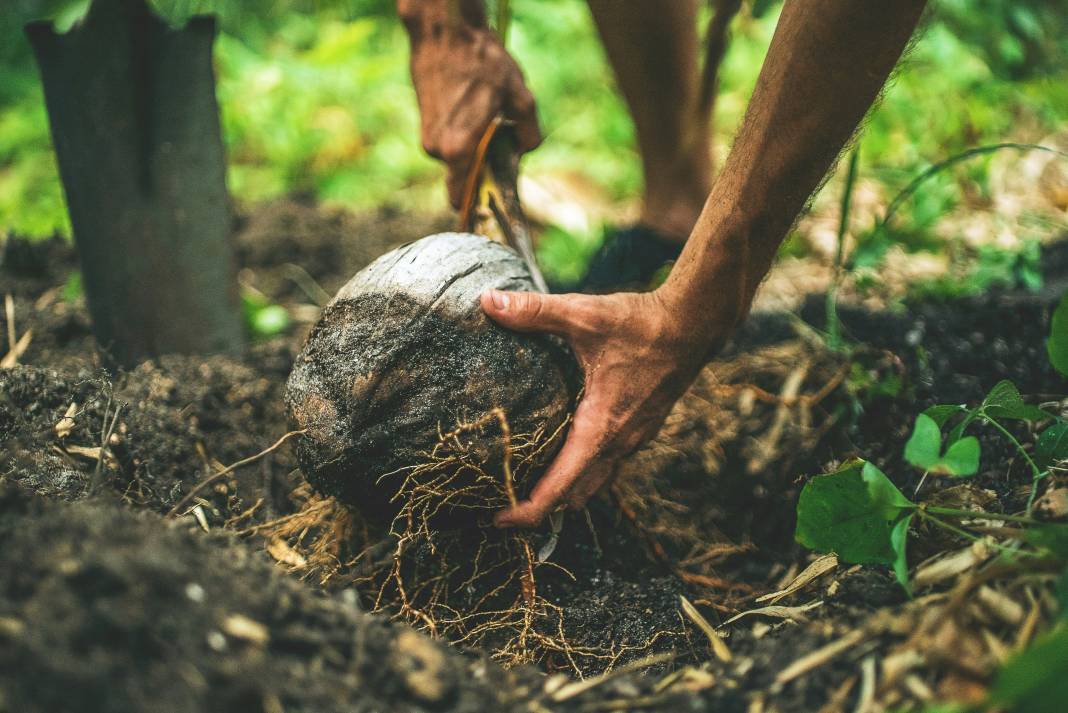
point(827, 63)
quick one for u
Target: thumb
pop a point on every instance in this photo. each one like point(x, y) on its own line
point(527, 311)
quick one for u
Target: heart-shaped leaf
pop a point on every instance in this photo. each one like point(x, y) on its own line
point(942, 413)
point(853, 512)
point(924, 450)
point(1004, 402)
point(924, 447)
point(961, 458)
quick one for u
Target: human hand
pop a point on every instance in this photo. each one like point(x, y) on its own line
point(463, 79)
point(639, 357)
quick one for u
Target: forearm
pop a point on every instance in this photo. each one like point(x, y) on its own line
point(827, 62)
point(431, 18)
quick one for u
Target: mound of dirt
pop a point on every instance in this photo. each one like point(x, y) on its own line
point(105, 610)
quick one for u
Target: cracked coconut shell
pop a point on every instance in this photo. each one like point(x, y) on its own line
point(399, 384)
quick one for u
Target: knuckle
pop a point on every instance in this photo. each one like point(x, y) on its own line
point(523, 103)
point(528, 304)
point(431, 145)
point(455, 144)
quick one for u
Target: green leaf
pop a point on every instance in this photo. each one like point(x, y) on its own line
point(269, 321)
point(1057, 344)
point(72, 290)
point(898, 540)
point(853, 512)
point(942, 412)
point(1036, 680)
point(924, 450)
point(1051, 537)
point(1004, 401)
point(958, 431)
point(1052, 445)
point(925, 444)
point(962, 458)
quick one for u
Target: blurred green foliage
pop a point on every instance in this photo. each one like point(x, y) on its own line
point(316, 100)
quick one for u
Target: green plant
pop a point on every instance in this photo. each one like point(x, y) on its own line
point(262, 318)
point(834, 338)
point(1057, 344)
point(1002, 403)
point(859, 513)
point(924, 450)
point(1036, 679)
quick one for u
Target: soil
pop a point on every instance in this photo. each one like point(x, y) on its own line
point(108, 602)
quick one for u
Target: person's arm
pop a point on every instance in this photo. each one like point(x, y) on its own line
point(827, 63)
point(463, 78)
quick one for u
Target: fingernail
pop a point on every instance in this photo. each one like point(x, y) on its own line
point(499, 299)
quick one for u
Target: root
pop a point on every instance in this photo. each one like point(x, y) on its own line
point(479, 587)
point(738, 431)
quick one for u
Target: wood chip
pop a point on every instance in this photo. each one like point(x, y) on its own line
point(89, 452)
point(11, 359)
point(1007, 610)
point(946, 567)
point(66, 424)
point(201, 518)
point(823, 565)
point(779, 612)
point(280, 550)
point(1053, 505)
point(719, 647)
point(821, 656)
point(241, 627)
point(575, 688)
point(866, 695)
point(1023, 636)
point(9, 315)
point(690, 678)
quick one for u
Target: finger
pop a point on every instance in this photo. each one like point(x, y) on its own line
point(455, 181)
point(463, 126)
point(596, 476)
point(522, 109)
point(579, 452)
point(529, 311)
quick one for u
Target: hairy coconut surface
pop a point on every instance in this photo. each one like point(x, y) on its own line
point(413, 402)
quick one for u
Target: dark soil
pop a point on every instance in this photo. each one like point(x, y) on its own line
point(105, 605)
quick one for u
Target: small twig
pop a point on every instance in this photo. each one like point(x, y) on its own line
point(570, 690)
point(105, 439)
point(9, 310)
point(719, 648)
point(230, 469)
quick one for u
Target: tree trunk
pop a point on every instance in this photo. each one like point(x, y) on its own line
point(135, 126)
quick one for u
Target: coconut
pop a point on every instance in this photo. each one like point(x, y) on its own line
point(413, 403)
